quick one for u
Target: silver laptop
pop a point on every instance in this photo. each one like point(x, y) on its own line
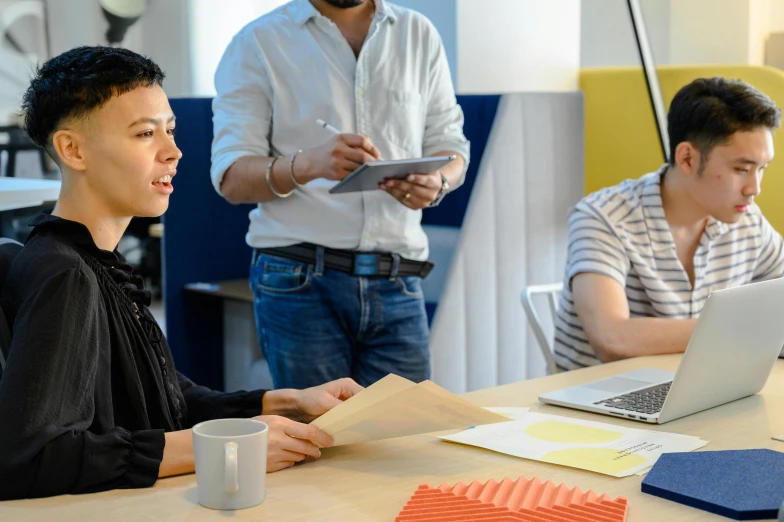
point(730, 355)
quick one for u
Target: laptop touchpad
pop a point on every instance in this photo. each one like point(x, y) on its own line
point(616, 385)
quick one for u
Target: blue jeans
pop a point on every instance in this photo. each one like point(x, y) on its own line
point(316, 325)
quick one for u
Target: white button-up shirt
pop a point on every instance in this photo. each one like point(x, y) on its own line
point(293, 66)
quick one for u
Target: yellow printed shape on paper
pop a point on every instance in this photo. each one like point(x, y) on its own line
point(600, 460)
point(568, 433)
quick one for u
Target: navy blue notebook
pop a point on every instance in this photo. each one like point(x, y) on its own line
point(738, 484)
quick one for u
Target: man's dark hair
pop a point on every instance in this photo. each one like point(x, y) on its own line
point(75, 83)
point(710, 110)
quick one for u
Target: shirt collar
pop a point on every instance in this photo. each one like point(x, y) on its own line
point(303, 10)
point(76, 233)
point(715, 228)
point(384, 12)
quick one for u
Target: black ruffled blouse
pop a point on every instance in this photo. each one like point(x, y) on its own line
point(90, 386)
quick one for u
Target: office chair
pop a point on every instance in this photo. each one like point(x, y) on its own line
point(552, 291)
point(8, 251)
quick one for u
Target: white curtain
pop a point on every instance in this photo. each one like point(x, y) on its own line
point(514, 235)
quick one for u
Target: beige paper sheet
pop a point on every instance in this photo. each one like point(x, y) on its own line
point(396, 407)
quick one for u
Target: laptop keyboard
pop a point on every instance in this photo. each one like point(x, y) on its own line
point(647, 401)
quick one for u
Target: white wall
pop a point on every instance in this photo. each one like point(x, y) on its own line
point(607, 38)
point(211, 30)
point(775, 54)
point(680, 31)
point(760, 19)
point(710, 31)
point(776, 20)
point(518, 45)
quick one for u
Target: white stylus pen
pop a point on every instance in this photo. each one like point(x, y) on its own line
point(327, 126)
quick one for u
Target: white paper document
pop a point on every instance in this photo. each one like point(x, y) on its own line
point(593, 446)
point(396, 407)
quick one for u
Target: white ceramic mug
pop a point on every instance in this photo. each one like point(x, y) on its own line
point(231, 462)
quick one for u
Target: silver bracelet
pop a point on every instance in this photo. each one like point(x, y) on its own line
point(291, 171)
point(269, 181)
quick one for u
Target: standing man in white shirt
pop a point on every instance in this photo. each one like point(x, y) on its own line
point(336, 278)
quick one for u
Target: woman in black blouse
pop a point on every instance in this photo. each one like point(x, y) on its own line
point(90, 399)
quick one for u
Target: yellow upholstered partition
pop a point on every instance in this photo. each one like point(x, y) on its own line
point(620, 131)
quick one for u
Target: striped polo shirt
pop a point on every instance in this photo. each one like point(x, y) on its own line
point(621, 232)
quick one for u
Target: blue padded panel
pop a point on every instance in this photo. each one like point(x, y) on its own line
point(204, 240)
point(430, 310)
point(479, 111)
point(443, 242)
point(738, 484)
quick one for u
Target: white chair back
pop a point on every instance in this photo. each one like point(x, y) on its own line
point(552, 291)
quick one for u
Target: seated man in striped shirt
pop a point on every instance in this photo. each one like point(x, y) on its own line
point(644, 255)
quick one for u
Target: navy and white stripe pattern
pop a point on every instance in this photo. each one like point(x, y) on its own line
point(622, 232)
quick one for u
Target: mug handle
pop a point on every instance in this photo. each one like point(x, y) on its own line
point(231, 484)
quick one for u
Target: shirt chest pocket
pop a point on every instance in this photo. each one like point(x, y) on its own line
point(402, 117)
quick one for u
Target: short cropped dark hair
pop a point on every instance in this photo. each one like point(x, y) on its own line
point(708, 111)
point(76, 82)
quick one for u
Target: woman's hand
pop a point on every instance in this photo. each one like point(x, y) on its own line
point(310, 403)
point(291, 442)
point(318, 400)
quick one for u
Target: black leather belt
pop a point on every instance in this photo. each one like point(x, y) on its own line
point(357, 263)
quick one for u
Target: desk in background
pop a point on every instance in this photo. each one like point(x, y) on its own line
point(26, 192)
point(244, 368)
point(373, 481)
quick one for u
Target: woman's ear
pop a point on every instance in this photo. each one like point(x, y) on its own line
point(68, 146)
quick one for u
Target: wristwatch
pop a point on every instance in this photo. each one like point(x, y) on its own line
point(442, 192)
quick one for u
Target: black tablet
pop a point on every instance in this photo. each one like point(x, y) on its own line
point(370, 175)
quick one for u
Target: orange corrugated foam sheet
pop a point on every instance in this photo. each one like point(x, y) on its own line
point(511, 500)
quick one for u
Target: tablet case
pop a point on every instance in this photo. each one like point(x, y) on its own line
point(370, 175)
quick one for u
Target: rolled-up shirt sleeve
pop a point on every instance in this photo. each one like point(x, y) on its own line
point(444, 119)
point(594, 247)
point(242, 110)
